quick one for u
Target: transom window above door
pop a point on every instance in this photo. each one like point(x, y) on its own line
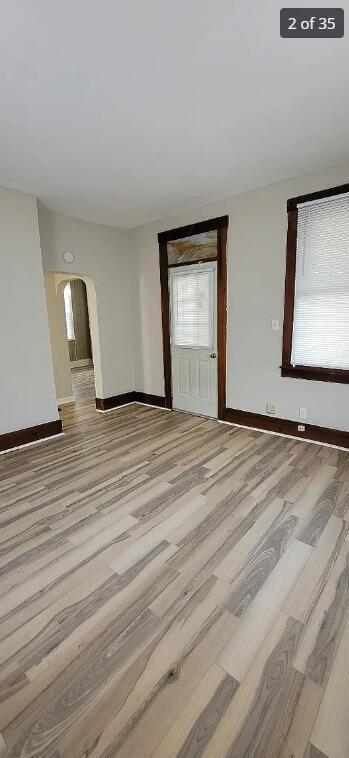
point(196, 247)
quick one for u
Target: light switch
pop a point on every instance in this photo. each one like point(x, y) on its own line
point(275, 325)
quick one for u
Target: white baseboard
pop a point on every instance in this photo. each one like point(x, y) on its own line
point(66, 400)
point(133, 402)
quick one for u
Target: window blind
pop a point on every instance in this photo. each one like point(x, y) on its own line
point(69, 316)
point(321, 308)
point(192, 312)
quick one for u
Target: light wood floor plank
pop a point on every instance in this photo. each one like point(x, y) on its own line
point(170, 586)
point(331, 730)
point(238, 655)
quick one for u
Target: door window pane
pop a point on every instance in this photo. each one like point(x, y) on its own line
point(192, 314)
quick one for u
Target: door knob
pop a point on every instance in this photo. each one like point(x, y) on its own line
point(213, 355)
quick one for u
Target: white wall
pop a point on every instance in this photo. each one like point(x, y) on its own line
point(256, 271)
point(101, 254)
point(58, 338)
point(124, 269)
point(27, 391)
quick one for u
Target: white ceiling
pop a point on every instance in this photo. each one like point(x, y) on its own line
point(123, 111)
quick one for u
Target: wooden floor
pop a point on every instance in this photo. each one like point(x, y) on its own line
point(172, 586)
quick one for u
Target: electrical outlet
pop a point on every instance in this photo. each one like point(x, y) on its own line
point(301, 428)
point(303, 414)
point(275, 325)
point(270, 408)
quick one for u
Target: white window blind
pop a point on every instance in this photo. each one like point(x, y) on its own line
point(69, 316)
point(321, 308)
point(192, 312)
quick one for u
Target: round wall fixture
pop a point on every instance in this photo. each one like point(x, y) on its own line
point(68, 256)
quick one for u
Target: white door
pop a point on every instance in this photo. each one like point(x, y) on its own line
point(193, 307)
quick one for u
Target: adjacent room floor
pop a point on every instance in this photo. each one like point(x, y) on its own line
point(172, 586)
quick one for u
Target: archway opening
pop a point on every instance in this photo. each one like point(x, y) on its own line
point(74, 333)
point(79, 337)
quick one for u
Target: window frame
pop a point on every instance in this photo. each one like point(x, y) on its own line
point(316, 373)
point(70, 339)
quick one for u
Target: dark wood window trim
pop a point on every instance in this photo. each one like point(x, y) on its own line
point(315, 373)
point(221, 222)
point(221, 225)
point(293, 203)
point(185, 263)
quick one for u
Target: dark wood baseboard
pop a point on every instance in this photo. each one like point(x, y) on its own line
point(108, 403)
point(158, 400)
point(244, 418)
point(31, 434)
point(285, 426)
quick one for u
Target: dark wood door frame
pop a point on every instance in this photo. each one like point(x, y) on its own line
point(221, 225)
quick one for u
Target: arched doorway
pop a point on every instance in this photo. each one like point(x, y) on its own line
point(74, 333)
